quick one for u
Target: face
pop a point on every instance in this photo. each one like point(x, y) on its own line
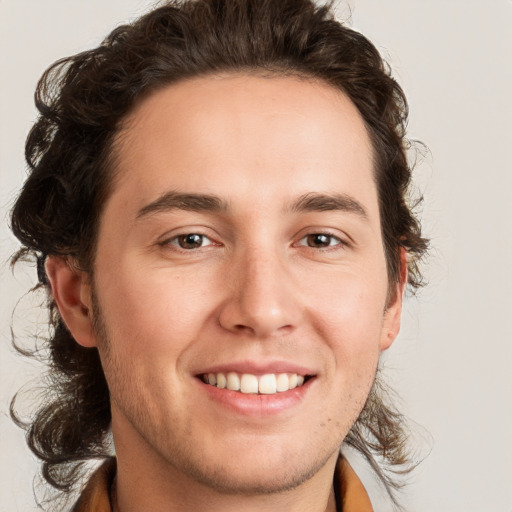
point(241, 247)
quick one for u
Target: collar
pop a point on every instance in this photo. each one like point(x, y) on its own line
point(96, 495)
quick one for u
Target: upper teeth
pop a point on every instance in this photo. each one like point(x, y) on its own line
point(267, 384)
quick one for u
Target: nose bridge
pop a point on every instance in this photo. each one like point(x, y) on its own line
point(261, 298)
point(264, 281)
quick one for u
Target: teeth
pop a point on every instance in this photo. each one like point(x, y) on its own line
point(282, 382)
point(247, 383)
point(233, 381)
point(267, 384)
point(221, 381)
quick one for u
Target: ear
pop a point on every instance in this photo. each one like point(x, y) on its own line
point(393, 313)
point(72, 294)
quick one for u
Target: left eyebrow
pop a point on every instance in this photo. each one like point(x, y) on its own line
point(178, 201)
point(314, 202)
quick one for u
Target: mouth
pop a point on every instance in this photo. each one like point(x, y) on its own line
point(251, 384)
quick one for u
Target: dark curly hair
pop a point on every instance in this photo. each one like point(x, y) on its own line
point(83, 100)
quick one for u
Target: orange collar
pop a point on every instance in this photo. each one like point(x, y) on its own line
point(96, 495)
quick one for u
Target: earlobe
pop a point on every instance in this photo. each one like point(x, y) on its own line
point(393, 313)
point(71, 291)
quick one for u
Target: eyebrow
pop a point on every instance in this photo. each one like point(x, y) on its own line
point(314, 202)
point(311, 202)
point(177, 201)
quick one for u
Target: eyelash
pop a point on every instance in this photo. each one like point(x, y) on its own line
point(177, 240)
point(339, 242)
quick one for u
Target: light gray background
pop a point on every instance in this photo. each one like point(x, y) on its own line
point(451, 363)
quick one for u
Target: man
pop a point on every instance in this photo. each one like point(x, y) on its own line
point(217, 204)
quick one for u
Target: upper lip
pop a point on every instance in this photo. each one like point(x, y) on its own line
point(258, 368)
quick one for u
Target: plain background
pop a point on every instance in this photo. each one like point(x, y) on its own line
point(451, 365)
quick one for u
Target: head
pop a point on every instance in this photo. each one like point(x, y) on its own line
point(139, 101)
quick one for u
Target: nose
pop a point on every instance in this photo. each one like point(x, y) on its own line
point(262, 300)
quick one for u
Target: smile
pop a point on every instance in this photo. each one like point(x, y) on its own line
point(248, 383)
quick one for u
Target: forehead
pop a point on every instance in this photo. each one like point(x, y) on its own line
point(244, 136)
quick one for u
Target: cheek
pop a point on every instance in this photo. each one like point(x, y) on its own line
point(350, 311)
point(149, 322)
point(349, 317)
point(152, 313)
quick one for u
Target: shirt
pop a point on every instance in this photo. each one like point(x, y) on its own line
point(96, 495)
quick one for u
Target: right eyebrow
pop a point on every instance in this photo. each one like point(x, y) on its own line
point(179, 201)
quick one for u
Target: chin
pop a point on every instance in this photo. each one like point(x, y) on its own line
point(264, 472)
point(250, 481)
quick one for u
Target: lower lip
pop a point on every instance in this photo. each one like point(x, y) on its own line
point(257, 405)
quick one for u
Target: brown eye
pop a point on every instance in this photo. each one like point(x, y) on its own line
point(320, 240)
point(192, 241)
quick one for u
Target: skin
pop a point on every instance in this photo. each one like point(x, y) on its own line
point(257, 289)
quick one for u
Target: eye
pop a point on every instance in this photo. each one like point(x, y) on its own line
point(190, 241)
point(320, 240)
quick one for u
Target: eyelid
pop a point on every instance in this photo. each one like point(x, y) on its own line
point(344, 240)
point(171, 239)
point(175, 240)
point(340, 241)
